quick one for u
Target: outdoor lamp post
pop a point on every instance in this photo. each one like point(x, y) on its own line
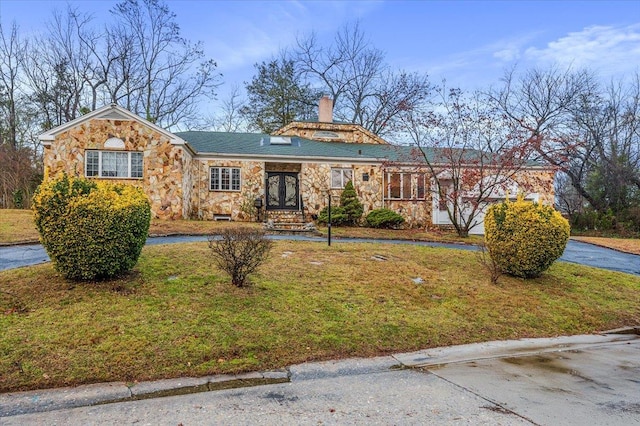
point(329, 219)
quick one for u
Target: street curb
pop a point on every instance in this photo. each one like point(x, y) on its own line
point(16, 403)
point(12, 404)
point(344, 367)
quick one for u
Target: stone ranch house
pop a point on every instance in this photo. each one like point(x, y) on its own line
point(288, 175)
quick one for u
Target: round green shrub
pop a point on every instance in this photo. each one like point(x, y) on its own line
point(338, 216)
point(352, 206)
point(384, 218)
point(91, 230)
point(524, 238)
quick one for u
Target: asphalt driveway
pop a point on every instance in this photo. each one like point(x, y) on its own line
point(576, 252)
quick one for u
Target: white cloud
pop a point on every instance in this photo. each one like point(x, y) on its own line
point(480, 66)
point(607, 49)
point(252, 32)
point(507, 54)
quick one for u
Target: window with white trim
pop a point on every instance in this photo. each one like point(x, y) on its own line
point(113, 164)
point(224, 179)
point(405, 186)
point(340, 177)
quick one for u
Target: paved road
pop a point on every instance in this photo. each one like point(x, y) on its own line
point(577, 380)
point(576, 252)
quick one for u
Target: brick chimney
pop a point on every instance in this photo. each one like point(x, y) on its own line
point(325, 110)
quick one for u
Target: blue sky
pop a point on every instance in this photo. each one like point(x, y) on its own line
point(470, 43)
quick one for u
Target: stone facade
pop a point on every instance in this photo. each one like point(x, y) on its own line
point(339, 132)
point(315, 181)
point(163, 162)
point(540, 182)
point(207, 204)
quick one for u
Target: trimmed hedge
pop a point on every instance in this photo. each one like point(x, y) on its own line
point(524, 238)
point(91, 230)
point(384, 218)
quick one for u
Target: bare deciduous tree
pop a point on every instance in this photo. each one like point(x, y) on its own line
point(363, 87)
point(11, 57)
point(239, 251)
point(588, 132)
point(229, 118)
point(160, 82)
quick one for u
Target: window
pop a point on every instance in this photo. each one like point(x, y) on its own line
point(113, 164)
point(325, 134)
point(225, 179)
point(405, 186)
point(340, 177)
point(420, 186)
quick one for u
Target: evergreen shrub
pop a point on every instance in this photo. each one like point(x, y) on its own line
point(338, 216)
point(91, 230)
point(524, 238)
point(353, 208)
point(384, 218)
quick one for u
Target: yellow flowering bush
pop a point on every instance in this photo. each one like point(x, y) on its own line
point(91, 230)
point(524, 238)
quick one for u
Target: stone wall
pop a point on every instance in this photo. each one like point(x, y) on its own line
point(349, 133)
point(315, 180)
point(206, 204)
point(188, 184)
point(163, 168)
point(416, 213)
point(540, 182)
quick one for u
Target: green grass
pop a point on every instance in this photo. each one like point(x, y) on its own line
point(17, 226)
point(176, 315)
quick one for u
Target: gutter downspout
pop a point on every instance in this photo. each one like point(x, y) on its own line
point(382, 185)
point(199, 191)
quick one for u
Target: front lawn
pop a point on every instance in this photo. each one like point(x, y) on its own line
point(18, 226)
point(627, 245)
point(176, 315)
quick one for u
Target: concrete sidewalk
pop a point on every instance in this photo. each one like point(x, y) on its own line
point(448, 368)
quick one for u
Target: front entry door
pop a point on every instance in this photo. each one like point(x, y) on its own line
point(282, 191)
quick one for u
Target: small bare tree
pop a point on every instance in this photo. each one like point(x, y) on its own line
point(239, 251)
point(486, 261)
point(472, 151)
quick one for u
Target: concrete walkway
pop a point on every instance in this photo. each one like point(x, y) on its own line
point(578, 380)
point(576, 252)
